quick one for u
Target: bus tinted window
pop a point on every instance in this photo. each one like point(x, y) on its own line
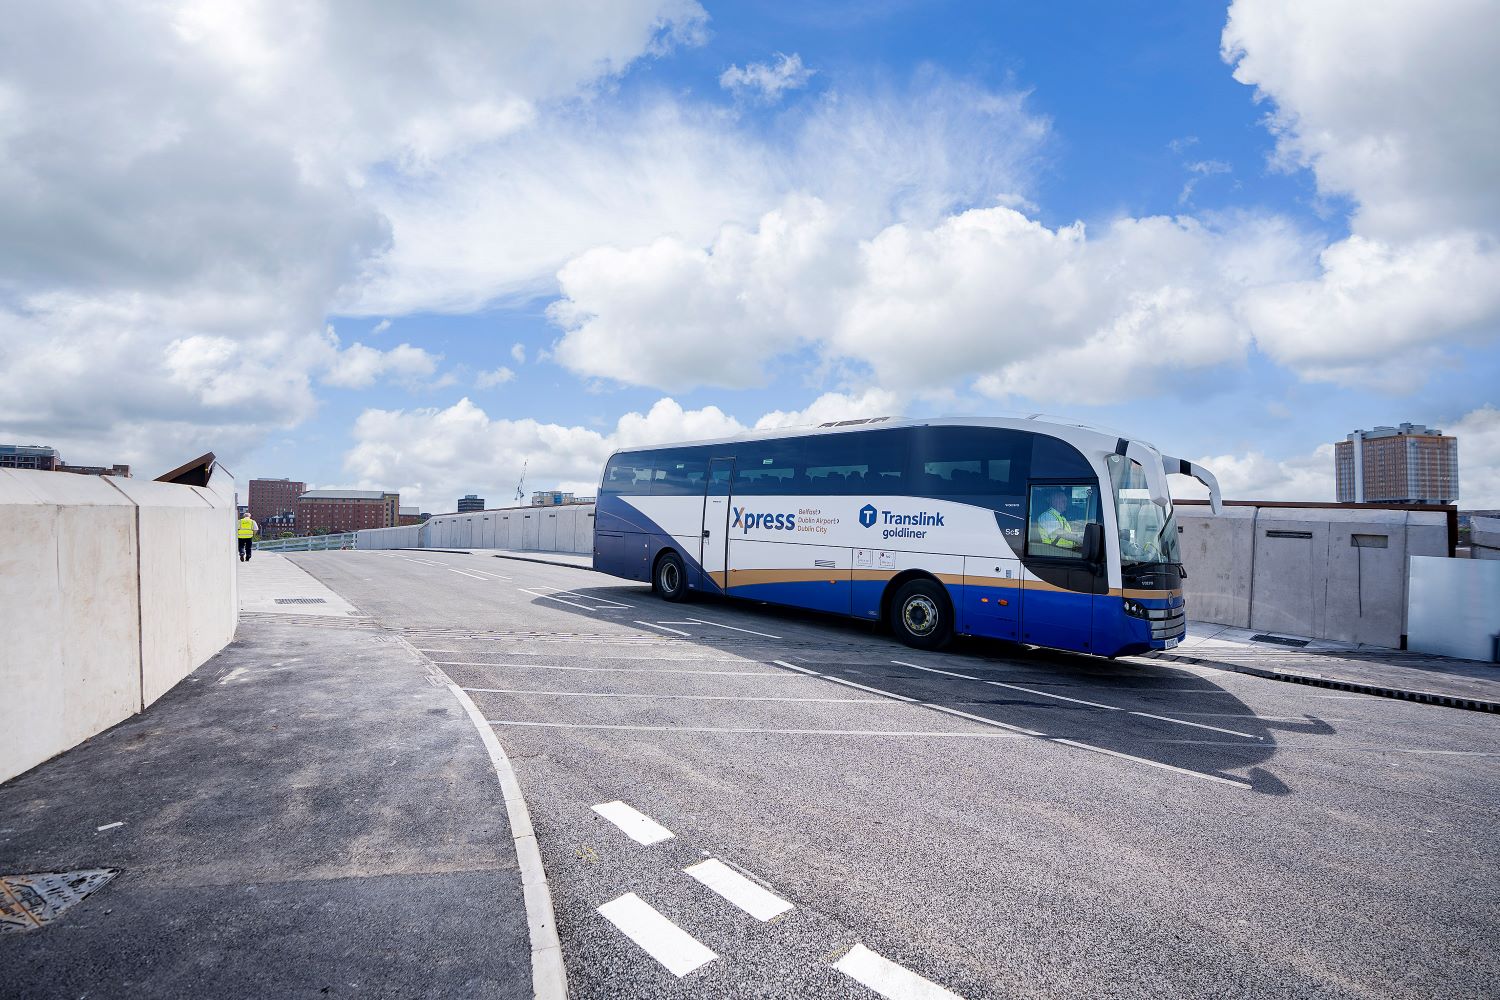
point(970, 462)
point(764, 468)
point(846, 464)
point(627, 475)
point(1053, 458)
point(679, 473)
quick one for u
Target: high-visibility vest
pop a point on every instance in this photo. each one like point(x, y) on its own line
point(247, 528)
point(1052, 529)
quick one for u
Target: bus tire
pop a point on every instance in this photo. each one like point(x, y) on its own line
point(921, 615)
point(670, 578)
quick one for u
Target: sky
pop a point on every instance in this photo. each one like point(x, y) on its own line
point(418, 246)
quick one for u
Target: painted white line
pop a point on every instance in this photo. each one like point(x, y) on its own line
point(1155, 763)
point(109, 826)
point(461, 572)
point(682, 697)
point(1059, 697)
point(591, 597)
point(637, 825)
point(734, 628)
point(657, 936)
point(756, 900)
point(982, 720)
point(421, 650)
point(549, 980)
point(935, 670)
point(840, 680)
point(497, 576)
point(1197, 725)
point(775, 732)
point(614, 670)
point(424, 562)
point(559, 600)
point(892, 981)
point(665, 629)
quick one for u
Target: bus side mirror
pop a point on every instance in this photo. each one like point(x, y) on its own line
point(1093, 542)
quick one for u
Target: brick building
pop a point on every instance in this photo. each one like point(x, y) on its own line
point(1406, 464)
point(273, 504)
point(411, 515)
point(346, 510)
point(95, 470)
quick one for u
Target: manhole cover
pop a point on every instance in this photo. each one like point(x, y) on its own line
point(301, 600)
point(31, 901)
point(1279, 640)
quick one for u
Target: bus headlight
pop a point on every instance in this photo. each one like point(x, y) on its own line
point(1135, 610)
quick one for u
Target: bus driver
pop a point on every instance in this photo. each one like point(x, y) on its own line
point(1053, 524)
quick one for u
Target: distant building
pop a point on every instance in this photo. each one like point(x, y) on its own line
point(470, 503)
point(328, 511)
point(556, 498)
point(1406, 464)
point(28, 456)
point(273, 504)
point(122, 471)
point(411, 515)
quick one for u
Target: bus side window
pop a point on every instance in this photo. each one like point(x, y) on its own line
point(1058, 516)
point(628, 475)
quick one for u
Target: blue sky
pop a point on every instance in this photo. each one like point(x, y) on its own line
point(722, 215)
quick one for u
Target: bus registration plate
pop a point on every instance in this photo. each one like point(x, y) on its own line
point(1173, 642)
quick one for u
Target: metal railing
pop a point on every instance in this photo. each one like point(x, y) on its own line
point(309, 543)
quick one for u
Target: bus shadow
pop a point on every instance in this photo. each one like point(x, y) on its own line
point(1150, 711)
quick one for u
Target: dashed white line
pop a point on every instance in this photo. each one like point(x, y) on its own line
point(734, 628)
point(892, 981)
point(665, 629)
point(677, 950)
point(591, 597)
point(559, 600)
point(683, 697)
point(464, 572)
point(636, 825)
point(612, 670)
point(742, 729)
point(756, 900)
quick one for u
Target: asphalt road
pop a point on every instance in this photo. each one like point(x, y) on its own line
point(995, 821)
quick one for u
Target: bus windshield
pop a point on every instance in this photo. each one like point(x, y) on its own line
point(1148, 534)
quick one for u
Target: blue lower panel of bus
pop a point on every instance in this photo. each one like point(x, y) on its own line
point(815, 595)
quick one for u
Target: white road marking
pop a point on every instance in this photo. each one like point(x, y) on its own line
point(591, 597)
point(559, 600)
point(1338, 749)
point(733, 628)
point(497, 576)
point(424, 562)
point(461, 572)
point(756, 900)
point(892, 981)
point(664, 629)
point(728, 729)
point(1080, 701)
point(109, 826)
point(1018, 730)
point(453, 651)
point(677, 950)
point(683, 697)
point(636, 825)
point(615, 670)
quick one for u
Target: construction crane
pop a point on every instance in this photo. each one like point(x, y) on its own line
point(521, 483)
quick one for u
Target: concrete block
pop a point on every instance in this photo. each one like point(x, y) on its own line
point(1455, 606)
point(1218, 551)
point(1365, 589)
point(1290, 574)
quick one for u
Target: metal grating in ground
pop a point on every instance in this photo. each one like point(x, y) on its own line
point(28, 902)
point(1279, 640)
point(301, 600)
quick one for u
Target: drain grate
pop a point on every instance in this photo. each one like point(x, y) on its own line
point(1279, 640)
point(301, 600)
point(31, 901)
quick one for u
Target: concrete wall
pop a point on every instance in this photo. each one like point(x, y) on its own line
point(1484, 538)
point(1455, 606)
point(539, 529)
point(1326, 573)
point(111, 591)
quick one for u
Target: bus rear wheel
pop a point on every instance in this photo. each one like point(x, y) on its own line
point(670, 579)
point(921, 615)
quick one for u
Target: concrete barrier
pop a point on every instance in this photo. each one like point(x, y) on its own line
point(568, 528)
point(1484, 538)
point(1325, 572)
point(111, 591)
point(1455, 607)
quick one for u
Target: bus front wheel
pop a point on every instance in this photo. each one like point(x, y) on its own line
point(921, 615)
point(670, 578)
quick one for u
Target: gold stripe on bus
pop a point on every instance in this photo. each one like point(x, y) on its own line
point(752, 577)
point(1152, 595)
point(993, 581)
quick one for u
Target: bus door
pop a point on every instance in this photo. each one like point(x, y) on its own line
point(1065, 565)
point(714, 551)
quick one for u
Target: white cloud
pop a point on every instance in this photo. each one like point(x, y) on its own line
point(497, 376)
point(1199, 169)
point(518, 352)
point(1478, 434)
point(380, 328)
point(833, 406)
point(358, 366)
point(1399, 111)
point(768, 81)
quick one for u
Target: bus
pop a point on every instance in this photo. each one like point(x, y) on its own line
point(1042, 533)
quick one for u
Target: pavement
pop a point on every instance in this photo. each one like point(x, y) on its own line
point(733, 800)
point(309, 814)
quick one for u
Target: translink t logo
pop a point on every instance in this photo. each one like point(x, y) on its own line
point(867, 515)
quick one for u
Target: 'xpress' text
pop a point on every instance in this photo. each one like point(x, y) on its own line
point(745, 521)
